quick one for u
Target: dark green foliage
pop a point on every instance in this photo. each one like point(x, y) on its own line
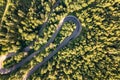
point(95, 54)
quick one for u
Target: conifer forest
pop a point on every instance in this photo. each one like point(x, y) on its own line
point(27, 25)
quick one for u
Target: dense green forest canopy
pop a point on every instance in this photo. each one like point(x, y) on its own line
point(95, 54)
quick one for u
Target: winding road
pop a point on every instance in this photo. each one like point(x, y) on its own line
point(74, 34)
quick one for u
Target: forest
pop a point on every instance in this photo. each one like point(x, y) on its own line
point(93, 55)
